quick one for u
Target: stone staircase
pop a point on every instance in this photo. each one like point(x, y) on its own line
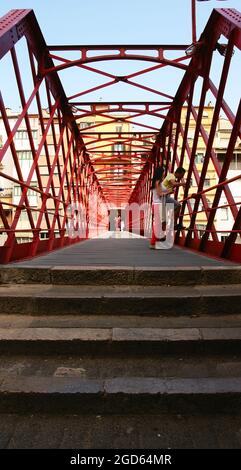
point(120, 340)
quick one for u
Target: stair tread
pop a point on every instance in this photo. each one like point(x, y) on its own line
point(120, 275)
point(102, 348)
point(119, 334)
point(120, 431)
point(120, 385)
point(117, 321)
point(107, 366)
point(63, 291)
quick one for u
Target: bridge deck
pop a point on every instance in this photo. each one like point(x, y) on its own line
point(120, 251)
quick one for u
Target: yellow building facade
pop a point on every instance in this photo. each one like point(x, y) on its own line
point(220, 145)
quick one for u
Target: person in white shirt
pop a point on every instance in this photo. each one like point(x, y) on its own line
point(158, 207)
point(169, 184)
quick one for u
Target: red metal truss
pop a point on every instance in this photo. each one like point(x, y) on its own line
point(109, 149)
point(64, 183)
point(129, 113)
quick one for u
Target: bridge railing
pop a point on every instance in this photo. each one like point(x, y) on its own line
point(212, 185)
point(45, 171)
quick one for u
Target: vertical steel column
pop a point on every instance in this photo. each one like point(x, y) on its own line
point(217, 108)
point(222, 178)
point(207, 59)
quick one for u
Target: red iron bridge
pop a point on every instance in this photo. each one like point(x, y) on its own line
point(75, 170)
point(96, 324)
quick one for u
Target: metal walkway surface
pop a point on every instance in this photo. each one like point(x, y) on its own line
point(120, 251)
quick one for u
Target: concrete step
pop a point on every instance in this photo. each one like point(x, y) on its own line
point(120, 395)
point(102, 367)
point(120, 300)
point(132, 431)
point(120, 321)
point(123, 275)
point(120, 340)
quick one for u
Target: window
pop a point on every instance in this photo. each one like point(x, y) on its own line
point(192, 203)
point(118, 129)
point(23, 134)
point(17, 191)
point(24, 239)
point(24, 216)
point(31, 194)
point(118, 171)
point(224, 238)
point(190, 134)
point(25, 155)
point(235, 164)
point(44, 235)
point(209, 204)
point(84, 125)
point(193, 182)
point(199, 157)
point(224, 213)
point(25, 159)
point(207, 182)
point(35, 215)
point(118, 147)
point(221, 157)
point(201, 228)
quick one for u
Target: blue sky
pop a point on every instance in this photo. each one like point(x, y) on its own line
point(108, 21)
point(116, 22)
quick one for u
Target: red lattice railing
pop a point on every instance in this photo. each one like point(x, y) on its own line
point(173, 148)
point(59, 172)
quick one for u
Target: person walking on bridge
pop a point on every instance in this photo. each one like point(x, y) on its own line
point(158, 207)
